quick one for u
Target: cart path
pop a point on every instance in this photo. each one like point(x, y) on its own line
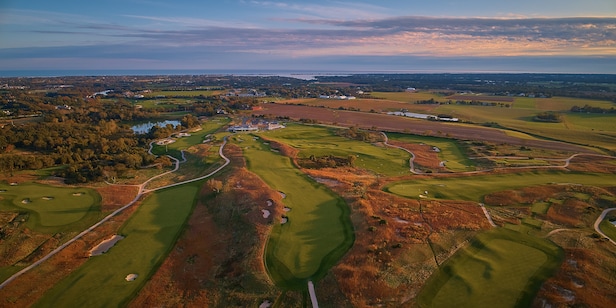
point(142, 191)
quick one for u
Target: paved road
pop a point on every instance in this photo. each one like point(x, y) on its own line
point(598, 222)
point(141, 192)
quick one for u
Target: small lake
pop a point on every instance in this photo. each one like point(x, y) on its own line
point(143, 128)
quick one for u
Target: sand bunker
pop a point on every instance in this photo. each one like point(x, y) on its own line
point(105, 245)
point(286, 209)
point(265, 304)
point(283, 195)
point(402, 221)
point(270, 202)
point(131, 277)
point(284, 220)
point(77, 194)
point(266, 213)
point(26, 201)
point(48, 198)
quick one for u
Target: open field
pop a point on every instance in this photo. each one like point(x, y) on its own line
point(317, 231)
point(183, 93)
point(322, 141)
point(500, 268)
point(52, 209)
point(149, 235)
point(409, 97)
point(392, 123)
point(473, 188)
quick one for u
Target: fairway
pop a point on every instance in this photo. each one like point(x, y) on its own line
point(149, 235)
point(473, 188)
point(449, 150)
point(322, 141)
point(51, 208)
point(318, 231)
point(500, 268)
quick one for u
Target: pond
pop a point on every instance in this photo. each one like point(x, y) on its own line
point(144, 128)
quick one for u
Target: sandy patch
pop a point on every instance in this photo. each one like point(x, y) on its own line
point(131, 277)
point(283, 195)
point(78, 194)
point(105, 245)
point(284, 220)
point(265, 304)
point(270, 202)
point(286, 209)
point(266, 213)
point(402, 221)
point(26, 201)
point(48, 198)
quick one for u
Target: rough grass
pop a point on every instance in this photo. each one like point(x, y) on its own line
point(149, 235)
point(473, 188)
point(52, 209)
point(608, 228)
point(318, 231)
point(500, 268)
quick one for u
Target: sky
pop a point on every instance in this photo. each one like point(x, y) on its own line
point(552, 36)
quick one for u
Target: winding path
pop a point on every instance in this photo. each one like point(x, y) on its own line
point(598, 222)
point(142, 191)
point(567, 162)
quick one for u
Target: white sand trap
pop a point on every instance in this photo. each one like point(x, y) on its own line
point(402, 221)
point(283, 195)
point(286, 209)
point(2, 190)
point(274, 150)
point(266, 213)
point(270, 202)
point(265, 304)
point(131, 277)
point(284, 220)
point(26, 201)
point(13, 184)
point(105, 245)
point(77, 194)
point(48, 198)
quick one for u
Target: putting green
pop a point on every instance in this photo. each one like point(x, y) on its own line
point(318, 230)
point(50, 206)
point(500, 268)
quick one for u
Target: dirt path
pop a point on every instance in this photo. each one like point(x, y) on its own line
point(485, 212)
point(313, 295)
point(141, 192)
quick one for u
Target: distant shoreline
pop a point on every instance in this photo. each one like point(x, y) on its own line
point(299, 74)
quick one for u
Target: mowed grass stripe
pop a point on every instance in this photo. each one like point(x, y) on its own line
point(500, 268)
point(318, 231)
point(149, 235)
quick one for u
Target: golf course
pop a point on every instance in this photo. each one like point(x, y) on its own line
point(314, 234)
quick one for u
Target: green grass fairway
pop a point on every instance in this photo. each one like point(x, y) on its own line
point(608, 228)
point(53, 209)
point(318, 231)
point(209, 127)
point(321, 141)
point(474, 187)
point(149, 235)
point(500, 268)
point(450, 150)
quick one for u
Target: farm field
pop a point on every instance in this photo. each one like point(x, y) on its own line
point(149, 235)
point(317, 231)
point(499, 268)
point(472, 188)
